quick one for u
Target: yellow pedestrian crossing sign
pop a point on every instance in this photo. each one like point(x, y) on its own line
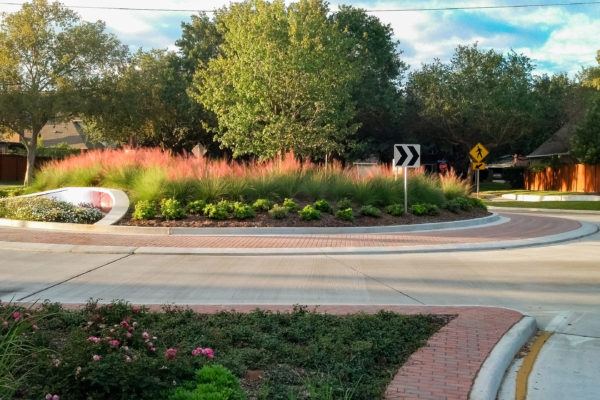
point(478, 152)
point(478, 165)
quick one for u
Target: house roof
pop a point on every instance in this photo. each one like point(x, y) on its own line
point(560, 142)
point(53, 133)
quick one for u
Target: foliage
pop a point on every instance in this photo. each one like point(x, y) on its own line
point(586, 142)
point(243, 211)
point(212, 382)
point(157, 352)
point(309, 213)
point(345, 214)
point(459, 203)
point(323, 206)
point(144, 209)
point(453, 185)
point(344, 203)
point(424, 209)
point(370, 211)
point(51, 64)
point(47, 210)
point(216, 211)
point(296, 96)
point(171, 209)
point(396, 210)
point(514, 176)
point(290, 205)
point(278, 212)
point(11, 191)
point(195, 207)
point(263, 205)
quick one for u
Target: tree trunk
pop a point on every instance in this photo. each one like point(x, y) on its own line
point(31, 147)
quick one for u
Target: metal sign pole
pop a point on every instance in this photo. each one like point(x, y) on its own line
point(477, 183)
point(405, 191)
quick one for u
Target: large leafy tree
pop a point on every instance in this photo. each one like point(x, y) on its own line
point(479, 96)
point(377, 94)
point(586, 142)
point(51, 64)
point(281, 82)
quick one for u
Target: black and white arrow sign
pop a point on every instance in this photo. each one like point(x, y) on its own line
point(407, 155)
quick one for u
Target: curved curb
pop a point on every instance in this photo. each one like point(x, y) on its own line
point(540, 210)
point(488, 379)
point(560, 197)
point(492, 219)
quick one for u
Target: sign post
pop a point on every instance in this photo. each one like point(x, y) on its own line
point(406, 156)
point(478, 153)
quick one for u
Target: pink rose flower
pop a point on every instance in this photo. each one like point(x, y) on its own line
point(124, 324)
point(94, 339)
point(129, 335)
point(55, 397)
point(16, 315)
point(35, 327)
point(127, 359)
point(152, 349)
point(131, 329)
point(208, 353)
point(135, 309)
point(95, 357)
point(5, 324)
point(48, 396)
point(171, 354)
point(114, 343)
point(145, 335)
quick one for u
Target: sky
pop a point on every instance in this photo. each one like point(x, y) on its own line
point(556, 38)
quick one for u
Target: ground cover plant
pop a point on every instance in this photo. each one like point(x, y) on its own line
point(122, 351)
point(47, 210)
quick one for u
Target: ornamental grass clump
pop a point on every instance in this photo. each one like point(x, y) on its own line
point(47, 210)
point(453, 186)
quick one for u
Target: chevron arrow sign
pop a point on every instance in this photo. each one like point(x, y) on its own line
point(407, 155)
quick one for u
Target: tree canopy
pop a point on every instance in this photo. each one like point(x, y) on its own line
point(281, 81)
point(586, 142)
point(50, 65)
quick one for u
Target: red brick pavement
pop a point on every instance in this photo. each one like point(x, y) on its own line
point(519, 227)
point(445, 368)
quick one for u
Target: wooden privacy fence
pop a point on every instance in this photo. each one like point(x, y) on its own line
point(13, 166)
point(568, 178)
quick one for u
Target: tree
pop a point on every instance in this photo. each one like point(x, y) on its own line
point(50, 66)
point(281, 82)
point(377, 94)
point(586, 142)
point(590, 77)
point(480, 96)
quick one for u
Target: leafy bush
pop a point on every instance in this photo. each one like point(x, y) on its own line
point(11, 191)
point(195, 207)
point(47, 210)
point(216, 211)
point(476, 203)
point(290, 204)
point(370, 211)
point(262, 205)
point(229, 206)
point(171, 209)
point(309, 213)
point(323, 206)
point(243, 211)
point(144, 209)
point(424, 209)
point(278, 212)
point(396, 209)
point(346, 214)
point(344, 203)
point(213, 382)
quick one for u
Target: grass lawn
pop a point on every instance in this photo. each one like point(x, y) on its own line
point(534, 192)
point(557, 205)
point(118, 351)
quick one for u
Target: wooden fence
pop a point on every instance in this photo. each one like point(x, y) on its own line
point(568, 178)
point(13, 166)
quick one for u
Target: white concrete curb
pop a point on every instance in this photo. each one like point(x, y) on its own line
point(488, 379)
point(562, 197)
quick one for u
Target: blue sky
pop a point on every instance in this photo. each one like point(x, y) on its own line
point(557, 39)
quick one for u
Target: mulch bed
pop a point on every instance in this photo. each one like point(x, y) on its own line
point(262, 219)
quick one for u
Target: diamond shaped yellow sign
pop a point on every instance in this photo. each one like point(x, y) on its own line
point(478, 152)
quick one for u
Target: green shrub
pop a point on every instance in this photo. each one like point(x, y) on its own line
point(229, 206)
point(171, 209)
point(309, 213)
point(195, 207)
point(262, 205)
point(396, 209)
point(144, 209)
point(344, 203)
point(476, 203)
point(290, 204)
point(424, 209)
point(213, 382)
point(278, 212)
point(243, 211)
point(48, 210)
point(323, 206)
point(345, 215)
point(216, 211)
point(12, 191)
point(370, 211)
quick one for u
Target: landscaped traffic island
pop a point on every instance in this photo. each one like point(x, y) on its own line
point(175, 190)
point(120, 351)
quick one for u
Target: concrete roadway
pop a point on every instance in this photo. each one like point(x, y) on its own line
point(559, 285)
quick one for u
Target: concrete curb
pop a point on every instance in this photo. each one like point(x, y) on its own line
point(488, 380)
point(540, 210)
point(537, 197)
point(586, 229)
